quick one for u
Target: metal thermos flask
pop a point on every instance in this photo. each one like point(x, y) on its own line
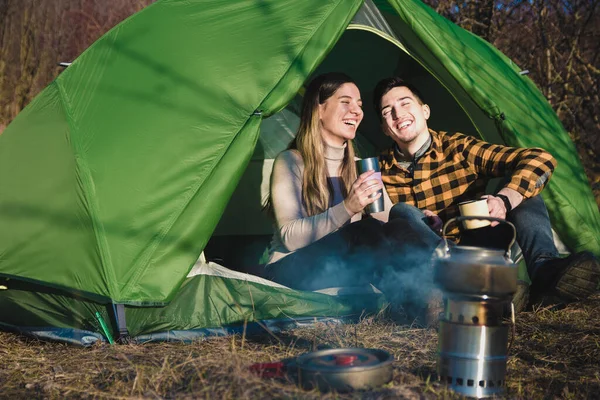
point(368, 164)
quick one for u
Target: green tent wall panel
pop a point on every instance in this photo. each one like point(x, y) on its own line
point(159, 137)
point(114, 178)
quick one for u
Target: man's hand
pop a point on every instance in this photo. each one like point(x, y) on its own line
point(435, 222)
point(496, 205)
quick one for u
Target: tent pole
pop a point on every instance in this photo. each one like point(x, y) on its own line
point(119, 314)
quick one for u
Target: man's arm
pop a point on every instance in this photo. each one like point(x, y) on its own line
point(528, 171)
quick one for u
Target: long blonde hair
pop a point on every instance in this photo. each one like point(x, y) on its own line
point(316, 190)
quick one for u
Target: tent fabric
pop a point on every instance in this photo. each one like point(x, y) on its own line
point(114, 179)
point(143, 141)
point(250, 329)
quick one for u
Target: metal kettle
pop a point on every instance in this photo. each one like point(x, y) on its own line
point(474, 270)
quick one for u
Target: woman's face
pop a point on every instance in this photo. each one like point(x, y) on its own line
point(340, 115)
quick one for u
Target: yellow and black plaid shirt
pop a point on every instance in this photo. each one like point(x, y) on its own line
point(457, 168)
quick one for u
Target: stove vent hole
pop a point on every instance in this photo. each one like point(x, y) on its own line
point(475, 320)
point(490, 383)
point(459, 381)
point(470, 382)
point(449, 380)
point(482, 384)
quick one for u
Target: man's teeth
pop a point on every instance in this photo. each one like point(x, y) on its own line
point(349, 122)
point(405, 124)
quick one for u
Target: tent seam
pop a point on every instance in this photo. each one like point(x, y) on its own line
point(83, 173)
point(115, 28)
point(63, 97)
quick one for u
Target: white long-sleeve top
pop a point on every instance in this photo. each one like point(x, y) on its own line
point(294, 229)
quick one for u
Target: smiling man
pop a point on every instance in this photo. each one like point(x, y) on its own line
point(427, 173)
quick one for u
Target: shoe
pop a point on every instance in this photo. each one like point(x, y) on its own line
point(521, 297)
point(573, 278)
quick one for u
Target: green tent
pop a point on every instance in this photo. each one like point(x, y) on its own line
point(119, 174)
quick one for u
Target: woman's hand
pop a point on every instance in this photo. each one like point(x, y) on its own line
point(362, 188)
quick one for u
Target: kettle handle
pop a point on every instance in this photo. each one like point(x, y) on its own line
point(460, 219)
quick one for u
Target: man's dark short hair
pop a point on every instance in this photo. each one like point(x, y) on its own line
point(387, 84)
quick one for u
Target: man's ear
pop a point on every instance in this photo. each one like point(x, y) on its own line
point(426, 111)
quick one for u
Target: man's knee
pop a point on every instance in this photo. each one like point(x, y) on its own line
point(532, 205)
point(530, 214)
point(406, 211)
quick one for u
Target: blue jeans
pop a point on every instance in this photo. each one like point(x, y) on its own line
point(534, 233)
point(422, 236)
point(530, 218)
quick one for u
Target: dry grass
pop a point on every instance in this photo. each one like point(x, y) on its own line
point(556, 354)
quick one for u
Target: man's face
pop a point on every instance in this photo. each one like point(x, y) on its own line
point(404, 119)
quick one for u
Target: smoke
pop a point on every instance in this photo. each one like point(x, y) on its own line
point(355, 268)
point(402, 271)
point(407, 279)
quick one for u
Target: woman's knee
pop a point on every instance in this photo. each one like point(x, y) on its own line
point(370, 224)
point(366, 232)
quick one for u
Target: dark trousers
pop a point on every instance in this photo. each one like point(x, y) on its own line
point(390, 256)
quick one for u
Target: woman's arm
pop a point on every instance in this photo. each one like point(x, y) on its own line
point(295, 228)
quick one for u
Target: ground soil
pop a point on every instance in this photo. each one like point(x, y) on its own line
point(555, 354)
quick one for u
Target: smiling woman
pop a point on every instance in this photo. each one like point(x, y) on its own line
point(340, 115)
